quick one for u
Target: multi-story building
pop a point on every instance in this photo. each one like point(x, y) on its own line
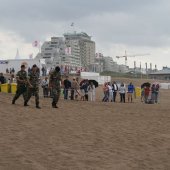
point(110, 65)
point(123, 68)
point(99, 63)
point(82, 47)
point(53, 51)
point(163, 74)
point(73, 50)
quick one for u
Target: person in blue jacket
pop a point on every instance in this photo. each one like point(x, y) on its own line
point(131, 90)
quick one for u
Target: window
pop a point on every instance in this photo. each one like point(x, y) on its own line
point(48, 48)
point(54, 42)
point(46, 57)
point(52, 46)
point(47, 53)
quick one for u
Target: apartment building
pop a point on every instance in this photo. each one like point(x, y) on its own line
point(72, 50)
point(82, 47)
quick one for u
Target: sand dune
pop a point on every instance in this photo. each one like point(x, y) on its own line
point(85, 135)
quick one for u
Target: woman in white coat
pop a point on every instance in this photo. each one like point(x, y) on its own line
point(91, 92)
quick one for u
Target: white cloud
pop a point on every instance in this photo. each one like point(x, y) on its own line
point(10, 42)
point(116, 25)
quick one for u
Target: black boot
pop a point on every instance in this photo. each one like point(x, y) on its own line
point(13, 101)
point(25, 103)
point(38, 107)
point(54, 105)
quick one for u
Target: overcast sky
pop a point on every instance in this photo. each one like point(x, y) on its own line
point(137, 26)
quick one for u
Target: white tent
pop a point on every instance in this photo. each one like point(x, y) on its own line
point(165, 85)
point(95, 76)
point(16, 64)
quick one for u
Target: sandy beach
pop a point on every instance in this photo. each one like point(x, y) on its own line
point(85, 135)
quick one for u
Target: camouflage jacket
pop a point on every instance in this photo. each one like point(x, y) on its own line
point(55, 79)
point(21, 75)
point(34, 79)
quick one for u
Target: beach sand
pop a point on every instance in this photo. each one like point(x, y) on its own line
point(85, 135)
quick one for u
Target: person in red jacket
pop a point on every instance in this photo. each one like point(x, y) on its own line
point(146, 93)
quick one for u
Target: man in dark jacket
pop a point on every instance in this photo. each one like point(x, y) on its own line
point(115, 89)
point(67, 86)
point(2, 79)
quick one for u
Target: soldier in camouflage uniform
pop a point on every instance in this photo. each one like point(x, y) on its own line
point(54, 84)
point(21, 84)
point(33, 79)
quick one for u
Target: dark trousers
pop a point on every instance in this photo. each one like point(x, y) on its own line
point(45, 92)
point(56, 95)
point(114, 96)
point(72, 94)
point(106, 97)
point(122, 97)
point(32, 91)
point(65, 94)
point(21, 90)
point(86, 96)
point(156, 97)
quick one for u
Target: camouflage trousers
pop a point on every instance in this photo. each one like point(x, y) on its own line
point(20, 90)
point(30, 92)
point(56, 95)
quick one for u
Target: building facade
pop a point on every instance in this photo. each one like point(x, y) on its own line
point(82, 47)
point(53, 51)
point(74, 50)
point(110, 65)
point(163, 74)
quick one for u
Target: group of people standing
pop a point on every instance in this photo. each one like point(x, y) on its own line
point(74, 88)
point(150, 93)
point(11, 70)
point(28, 85)
point(110, 91)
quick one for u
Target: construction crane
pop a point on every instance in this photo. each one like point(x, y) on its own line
point(134, 55)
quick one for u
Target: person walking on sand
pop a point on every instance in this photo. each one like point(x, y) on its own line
point(33, 88)
point(22, 82)
point(55, 85)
